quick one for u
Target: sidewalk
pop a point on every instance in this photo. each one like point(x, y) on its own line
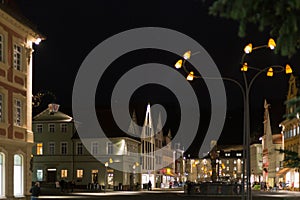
point(57, 191)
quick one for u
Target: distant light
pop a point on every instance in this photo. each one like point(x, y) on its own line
point(37, 41)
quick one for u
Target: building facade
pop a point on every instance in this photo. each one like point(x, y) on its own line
point(256, 163)
point(17, 38)
point(291, 133)
point(59, 154)
point(272, 158)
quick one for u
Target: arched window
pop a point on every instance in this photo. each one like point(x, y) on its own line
point(18, 175)
point(2, 175)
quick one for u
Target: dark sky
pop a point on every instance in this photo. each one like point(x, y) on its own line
point(74, 28)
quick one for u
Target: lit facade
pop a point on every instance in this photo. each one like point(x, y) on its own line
point(272, 158)
point(229, 165)
point(16, 137)
point(256, 163)
point(59, 154)
point(291, 133)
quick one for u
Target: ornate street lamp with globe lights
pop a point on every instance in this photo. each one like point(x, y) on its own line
point(245, 89)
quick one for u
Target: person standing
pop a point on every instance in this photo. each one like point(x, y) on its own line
point(35, 191)
point(149, 185)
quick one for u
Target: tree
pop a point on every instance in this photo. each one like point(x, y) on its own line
point(291, 158)
point(281, 18)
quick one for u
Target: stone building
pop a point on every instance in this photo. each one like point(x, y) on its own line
point(17, 39)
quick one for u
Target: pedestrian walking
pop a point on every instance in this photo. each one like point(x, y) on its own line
point(35, 191)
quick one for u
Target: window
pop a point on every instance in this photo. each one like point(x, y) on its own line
point(18, 112)
point(227, 168)
point(51, 128)
point(2, 175)
point(234, 162)
point(39, 149)
point(63, 128)
point(51, 148)
point(79, 148)
point(17, 57)
point(1, 48)
point(18, 175)
point(79, 173)
point(39, 128)
point(238, 154)
point(110, 148)
point(63, 148)
point(95, 147)
point(39, 175)
point(1, 108)
point(64, 173)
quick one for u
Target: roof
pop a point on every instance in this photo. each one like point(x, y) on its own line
point(47, 116)
point(277, 138)
point(12, 9)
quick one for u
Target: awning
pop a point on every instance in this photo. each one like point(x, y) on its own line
point(283, 171)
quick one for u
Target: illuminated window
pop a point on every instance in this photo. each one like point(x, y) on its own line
point(39, 128)
point(18, 112)
point(79, 148)
point(51, 148)
point(79, 173)
point(39, 149)
point(238, 154)
point(234, 162)
point(18, 175)
point(63, 148)
point(234, 168)
point(17, 57)
point(39, 175)
point(51, 128)
point(63, 128)
point(63, 173)
point(227, 168)
point(2, 175)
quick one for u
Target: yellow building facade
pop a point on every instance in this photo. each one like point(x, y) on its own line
point(16, 138)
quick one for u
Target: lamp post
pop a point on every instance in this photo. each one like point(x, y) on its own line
point(245, 89)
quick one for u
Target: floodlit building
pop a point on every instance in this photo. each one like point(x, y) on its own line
point(291, 132)
point(272, 158)
point(121, 162)
point(59, 153)
point(256, 162)
point(17, 38)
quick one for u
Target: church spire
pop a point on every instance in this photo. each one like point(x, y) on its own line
point(133, 127)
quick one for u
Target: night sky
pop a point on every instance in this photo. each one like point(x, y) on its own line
point(74, 28)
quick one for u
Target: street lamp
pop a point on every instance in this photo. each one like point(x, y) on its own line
point(110, 161)
point(245, 89)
